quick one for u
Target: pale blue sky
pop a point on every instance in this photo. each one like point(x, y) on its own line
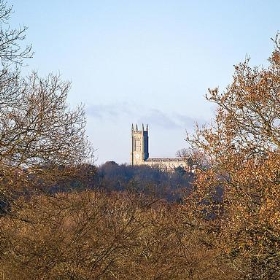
point(145, 61)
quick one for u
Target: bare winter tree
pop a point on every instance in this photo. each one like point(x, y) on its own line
point(11, 51)
point(38, 128)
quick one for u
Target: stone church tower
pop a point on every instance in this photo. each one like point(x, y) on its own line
point(140, 143)
point(140, 152)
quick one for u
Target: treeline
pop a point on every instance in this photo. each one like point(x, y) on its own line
point(171, 186)
point(109, 177)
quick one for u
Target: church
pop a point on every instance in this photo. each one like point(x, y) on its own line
point(140, 152)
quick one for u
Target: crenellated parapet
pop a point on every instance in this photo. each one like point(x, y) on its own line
point(140, 151)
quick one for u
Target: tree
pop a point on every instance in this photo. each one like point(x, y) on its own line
point(242, 146)
point(11, 51)
point(40, 133)
point(194, 158)
point(42, 144)
point(39, 128)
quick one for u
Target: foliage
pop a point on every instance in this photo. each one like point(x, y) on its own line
point(96, 235)
point(242, 145)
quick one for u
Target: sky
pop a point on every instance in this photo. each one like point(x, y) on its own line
point(144, 61)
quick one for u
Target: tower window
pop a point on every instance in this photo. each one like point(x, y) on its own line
point(138, 145)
